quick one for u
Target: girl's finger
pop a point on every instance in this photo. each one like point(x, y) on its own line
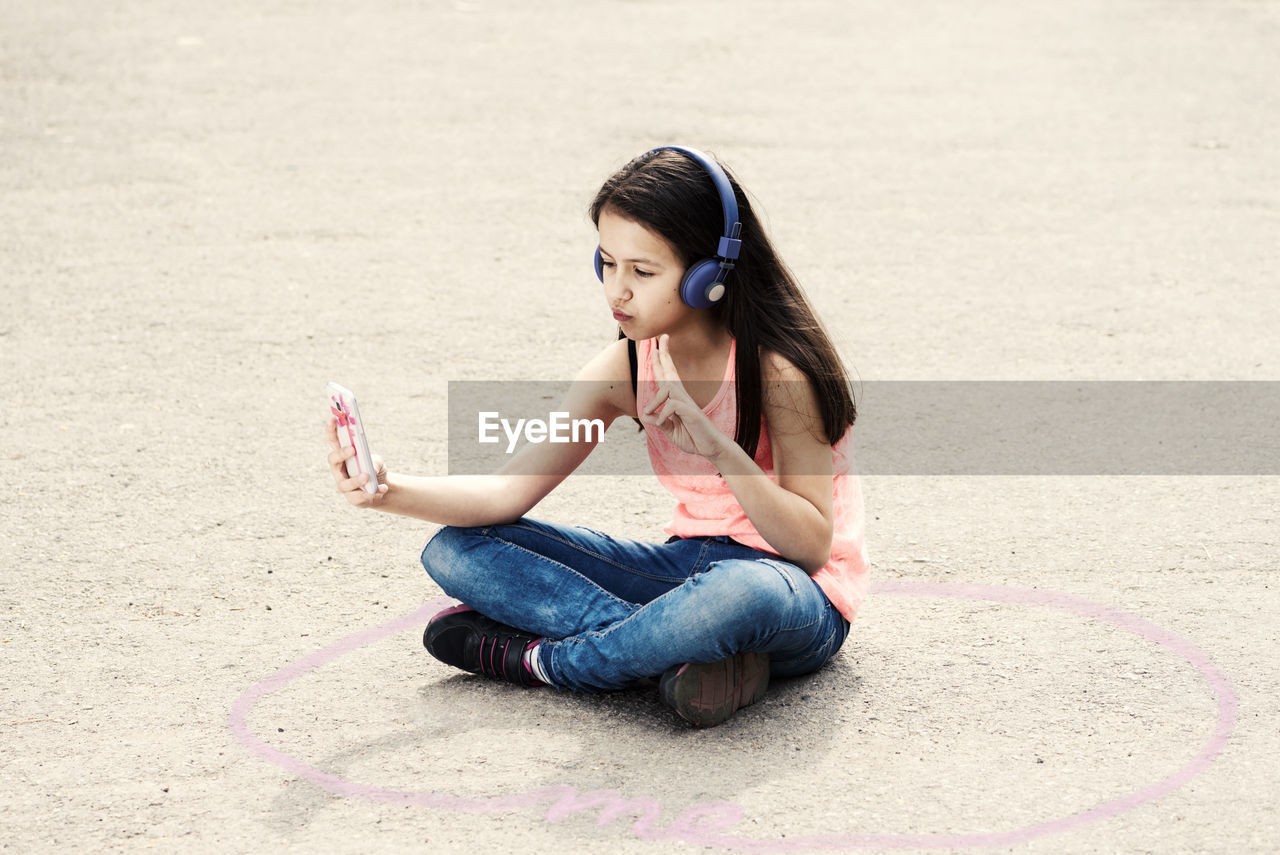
point(665, 368)
point(339, 455)
point(331, 433)
point(664, 356)
point(353, 485)
point(657, 400)
point(659, 374)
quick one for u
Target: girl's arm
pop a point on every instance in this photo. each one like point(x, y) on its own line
point(602, 391)
point(793, 513)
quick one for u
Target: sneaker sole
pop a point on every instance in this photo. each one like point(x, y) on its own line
point(706, 695)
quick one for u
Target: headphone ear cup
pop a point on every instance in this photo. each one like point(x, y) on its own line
point(598, 263)
point(697, 289)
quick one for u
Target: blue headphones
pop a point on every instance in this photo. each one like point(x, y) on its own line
point(703, 283)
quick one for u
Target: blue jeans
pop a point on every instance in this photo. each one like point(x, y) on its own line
point(614, 611)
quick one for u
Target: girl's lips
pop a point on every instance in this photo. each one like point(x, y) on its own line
point(620, 317)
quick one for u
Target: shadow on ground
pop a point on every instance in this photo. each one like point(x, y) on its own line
point(624, 754)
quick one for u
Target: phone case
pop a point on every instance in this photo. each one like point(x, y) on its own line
point(342, 403)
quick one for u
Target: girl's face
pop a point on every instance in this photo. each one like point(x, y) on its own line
point(642, 276)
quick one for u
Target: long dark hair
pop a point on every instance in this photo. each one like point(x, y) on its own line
point(763, 307)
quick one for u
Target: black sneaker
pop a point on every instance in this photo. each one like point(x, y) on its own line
point(464, 638)
point(708, 694)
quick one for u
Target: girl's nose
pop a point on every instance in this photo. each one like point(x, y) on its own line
point(614, 290)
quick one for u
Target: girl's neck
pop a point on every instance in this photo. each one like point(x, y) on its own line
point(700, 349)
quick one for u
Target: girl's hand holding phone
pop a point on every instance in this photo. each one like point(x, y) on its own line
point(354, 466)
point(353, 488)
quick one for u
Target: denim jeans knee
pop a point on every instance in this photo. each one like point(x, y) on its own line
point(445, 560)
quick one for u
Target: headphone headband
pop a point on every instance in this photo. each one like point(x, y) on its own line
point(730, 244)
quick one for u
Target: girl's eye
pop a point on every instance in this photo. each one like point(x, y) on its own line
point(643, 274)
point(605, 263)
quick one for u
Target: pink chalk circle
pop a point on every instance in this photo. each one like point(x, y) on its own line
point(710, 823)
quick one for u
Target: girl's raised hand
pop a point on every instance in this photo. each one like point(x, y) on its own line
point(352, 487)
point(673, 411)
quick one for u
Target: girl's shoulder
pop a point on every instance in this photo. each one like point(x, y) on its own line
point(606, 378)
point(788, 396)
point(776, 368)
point(610, 363)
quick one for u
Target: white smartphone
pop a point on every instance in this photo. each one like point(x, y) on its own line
point(342, 404)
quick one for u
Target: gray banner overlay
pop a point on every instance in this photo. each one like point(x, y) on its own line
point(937, 428)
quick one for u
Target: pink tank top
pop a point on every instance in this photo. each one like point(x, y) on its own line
point(706, 506)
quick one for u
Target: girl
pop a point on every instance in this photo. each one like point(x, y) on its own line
point(765, 566)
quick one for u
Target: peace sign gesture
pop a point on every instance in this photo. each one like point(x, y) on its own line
point(673, 411)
